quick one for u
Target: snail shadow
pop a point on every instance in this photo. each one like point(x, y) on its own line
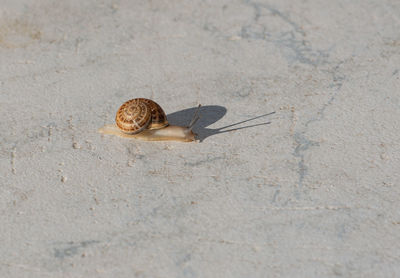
point(209, 114)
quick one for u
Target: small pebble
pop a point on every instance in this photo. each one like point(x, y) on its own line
point(235, 38)
point(63, 179)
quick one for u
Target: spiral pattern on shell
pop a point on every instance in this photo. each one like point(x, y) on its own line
point(138, 114)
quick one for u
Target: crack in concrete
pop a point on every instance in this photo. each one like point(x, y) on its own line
point(303, 143)
point(293, 40)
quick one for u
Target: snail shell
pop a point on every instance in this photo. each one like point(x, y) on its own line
point(139, 114)
point(145, 120)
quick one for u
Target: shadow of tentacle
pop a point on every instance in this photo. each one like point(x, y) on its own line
point(209, 114)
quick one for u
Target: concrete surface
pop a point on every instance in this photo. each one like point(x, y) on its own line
point(313, 192)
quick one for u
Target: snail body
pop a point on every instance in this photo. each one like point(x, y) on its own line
point(144, 119)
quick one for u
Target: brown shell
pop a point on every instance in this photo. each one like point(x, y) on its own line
point(138, 114)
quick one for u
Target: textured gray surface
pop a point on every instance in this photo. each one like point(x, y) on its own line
point(315, 193)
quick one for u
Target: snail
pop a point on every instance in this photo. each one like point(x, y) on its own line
point(144, 119)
